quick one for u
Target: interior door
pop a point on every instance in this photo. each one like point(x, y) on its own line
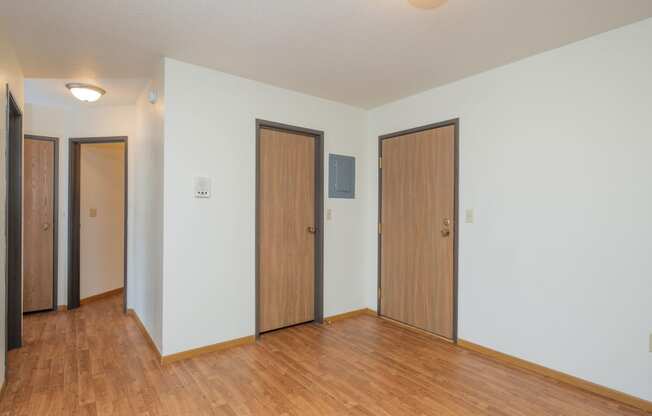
point(417, 234)
point(38, 217)
point(286, 218)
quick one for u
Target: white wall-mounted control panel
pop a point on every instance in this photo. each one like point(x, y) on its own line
point(202, 187)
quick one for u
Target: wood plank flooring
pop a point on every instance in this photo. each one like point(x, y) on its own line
point(94, 361)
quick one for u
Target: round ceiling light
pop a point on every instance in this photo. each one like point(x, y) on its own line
point(427, 4)
point(85, 92)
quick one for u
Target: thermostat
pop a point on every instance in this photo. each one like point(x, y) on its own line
point(202, 187)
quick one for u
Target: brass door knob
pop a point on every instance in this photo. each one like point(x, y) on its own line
point(311, 230)
point(445, 232)
point(45, 226)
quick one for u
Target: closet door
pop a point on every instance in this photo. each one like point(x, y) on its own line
point(286, 229)
point(38, 216)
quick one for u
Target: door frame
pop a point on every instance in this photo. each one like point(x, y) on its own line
point(74, 217)
point(319, 210)
point(14, 226)
point(456, 238)
point(55, 217)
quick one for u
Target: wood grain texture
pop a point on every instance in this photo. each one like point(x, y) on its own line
point(220, 346)
point(144, 332)
point(38, 217)
point(286, 248)
point(557, 375)
point(349, 315)
point(99, 296)
point(417, 260)
point(95, 361)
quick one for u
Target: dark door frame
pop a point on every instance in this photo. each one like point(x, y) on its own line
point(319, 209)
point(74, 178)
point(14, 223)
point(456, 241)
point(55, 216)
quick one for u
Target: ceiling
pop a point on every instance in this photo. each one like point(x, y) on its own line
point(361, 52)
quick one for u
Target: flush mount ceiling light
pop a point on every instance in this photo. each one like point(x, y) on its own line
point(427, 4)
point(85, 92)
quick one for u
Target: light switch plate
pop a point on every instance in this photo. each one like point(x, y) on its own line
point(202, 187)
point(469, 216)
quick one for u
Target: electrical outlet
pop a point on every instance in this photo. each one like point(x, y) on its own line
point(329, 214)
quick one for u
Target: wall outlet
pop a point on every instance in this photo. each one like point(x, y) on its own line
point(329, 214)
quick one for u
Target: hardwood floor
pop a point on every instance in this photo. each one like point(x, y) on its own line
point(94, 361)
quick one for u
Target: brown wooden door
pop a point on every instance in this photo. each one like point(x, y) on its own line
point(38, 217)
point(286, 218)
point(417, 235)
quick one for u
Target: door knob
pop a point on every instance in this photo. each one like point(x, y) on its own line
point(446, 231)
point(311, 230)
point(45, 226)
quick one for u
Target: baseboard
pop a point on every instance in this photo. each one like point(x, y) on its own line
point(347, 315)
point(558, 375)
point(62, 308)
point(100, 296)
point(184, 355)
point(417, 330)
point(145, 333)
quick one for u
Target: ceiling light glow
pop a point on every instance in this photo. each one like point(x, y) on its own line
point(86, 92)
point(427, 4)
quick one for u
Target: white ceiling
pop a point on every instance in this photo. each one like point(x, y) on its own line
point(53, 92)
point(361, 52)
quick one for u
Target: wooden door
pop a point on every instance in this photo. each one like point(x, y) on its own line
point(38, 214)
point(417, 234)
point(286, 218)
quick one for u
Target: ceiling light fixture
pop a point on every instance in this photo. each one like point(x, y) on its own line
point(85, 92)
point(427, 4)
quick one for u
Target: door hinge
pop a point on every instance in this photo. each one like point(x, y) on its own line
point(380, 228)
point(380, 163)
point(380, 293)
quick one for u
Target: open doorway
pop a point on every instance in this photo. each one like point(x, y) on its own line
point(98, 219)
point(14, 237)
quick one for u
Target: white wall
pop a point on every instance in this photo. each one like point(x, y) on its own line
point(10, 74)
point(148, 284)
point(555, 160)
point(101, 202)
point(76, 122)
point(208, 262)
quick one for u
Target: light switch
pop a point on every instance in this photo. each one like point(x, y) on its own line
point(93, 213)
point(469, 216)
point(202, 186)
point(329, 214)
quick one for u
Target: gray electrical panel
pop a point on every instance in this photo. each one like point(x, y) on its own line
point(341, 176)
